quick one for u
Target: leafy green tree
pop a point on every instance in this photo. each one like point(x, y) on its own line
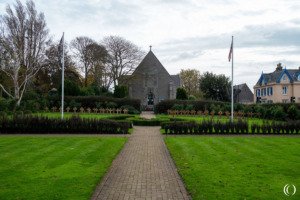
point(190, 81)
point(181, 94)
point(215, 87)
point(71, 88)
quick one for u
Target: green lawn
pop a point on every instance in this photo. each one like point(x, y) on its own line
point(223, 167)
point(54, 167)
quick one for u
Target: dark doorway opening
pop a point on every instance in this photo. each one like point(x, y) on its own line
point(150, 98)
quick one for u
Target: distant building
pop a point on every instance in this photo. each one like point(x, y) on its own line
point(280, 86)
point(242, 94)
point(151, 83)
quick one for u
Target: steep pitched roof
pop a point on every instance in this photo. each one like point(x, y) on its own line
point(276, 76)
point(176, 79)
point(151, 60)
point(240, 86)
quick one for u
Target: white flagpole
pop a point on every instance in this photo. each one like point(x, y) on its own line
point(232, 82)
point(62, 77)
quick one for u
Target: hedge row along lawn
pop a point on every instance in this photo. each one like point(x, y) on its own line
point(223, 167)
point(54, 167)
point(215, 118)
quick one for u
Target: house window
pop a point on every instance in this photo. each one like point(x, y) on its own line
point(263, 92)
point(269, 91)
point(298, 77)
point(284, 90)
point(258, 92)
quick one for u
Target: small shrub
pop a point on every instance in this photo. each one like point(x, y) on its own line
point(120, 91)
point(74, 104)
point(278, 113)
point(189, 107)
point(293, 112)
point(131, 109)
point(192, 97)
point(181, 94)
point(111, 105)
point(177, 107)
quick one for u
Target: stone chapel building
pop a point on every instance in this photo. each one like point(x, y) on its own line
point(151, 83)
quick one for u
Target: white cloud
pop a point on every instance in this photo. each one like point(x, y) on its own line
point(189, 33)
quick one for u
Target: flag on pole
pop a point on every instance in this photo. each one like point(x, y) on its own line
point(230, 52)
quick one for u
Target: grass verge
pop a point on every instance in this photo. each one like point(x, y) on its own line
point(237, 167)
point(54, 167)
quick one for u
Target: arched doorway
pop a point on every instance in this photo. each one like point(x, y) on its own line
point(150, 98)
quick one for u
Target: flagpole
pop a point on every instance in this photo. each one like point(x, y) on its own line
point(62, 78)
point(232, 83)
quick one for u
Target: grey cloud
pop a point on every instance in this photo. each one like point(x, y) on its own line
point(183, 55)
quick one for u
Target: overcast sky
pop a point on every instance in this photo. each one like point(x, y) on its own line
point(189, 33)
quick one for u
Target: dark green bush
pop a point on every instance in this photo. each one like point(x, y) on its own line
point(131, 109)
point(73, 104)
point(293, 112)
point(120, 91)
point(146, 122)
point(189, 107)
point(165, 105)
point(111, 105)
point(181, 94)
point(94, 101)
point(177, 107)
point(33, 124)
point(277, 113)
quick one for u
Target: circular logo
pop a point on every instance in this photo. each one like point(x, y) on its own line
point(286, 190)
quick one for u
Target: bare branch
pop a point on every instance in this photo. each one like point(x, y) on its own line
point(6, 92)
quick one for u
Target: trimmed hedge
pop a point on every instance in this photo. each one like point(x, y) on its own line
point(277, 111)
point(165, 105)
point(74, 125)
point(239, 127)
point(146, 122)
point(97, 102)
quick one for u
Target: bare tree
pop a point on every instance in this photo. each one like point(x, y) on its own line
point(124, 56)
point(80, 48)
point(23, 39)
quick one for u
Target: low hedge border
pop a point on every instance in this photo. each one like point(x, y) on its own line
point(73, 125)
point(239, 127)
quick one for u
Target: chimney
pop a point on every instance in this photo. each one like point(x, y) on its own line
point(279, 67)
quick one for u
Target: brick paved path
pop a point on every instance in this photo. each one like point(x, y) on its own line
point(143, 170)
